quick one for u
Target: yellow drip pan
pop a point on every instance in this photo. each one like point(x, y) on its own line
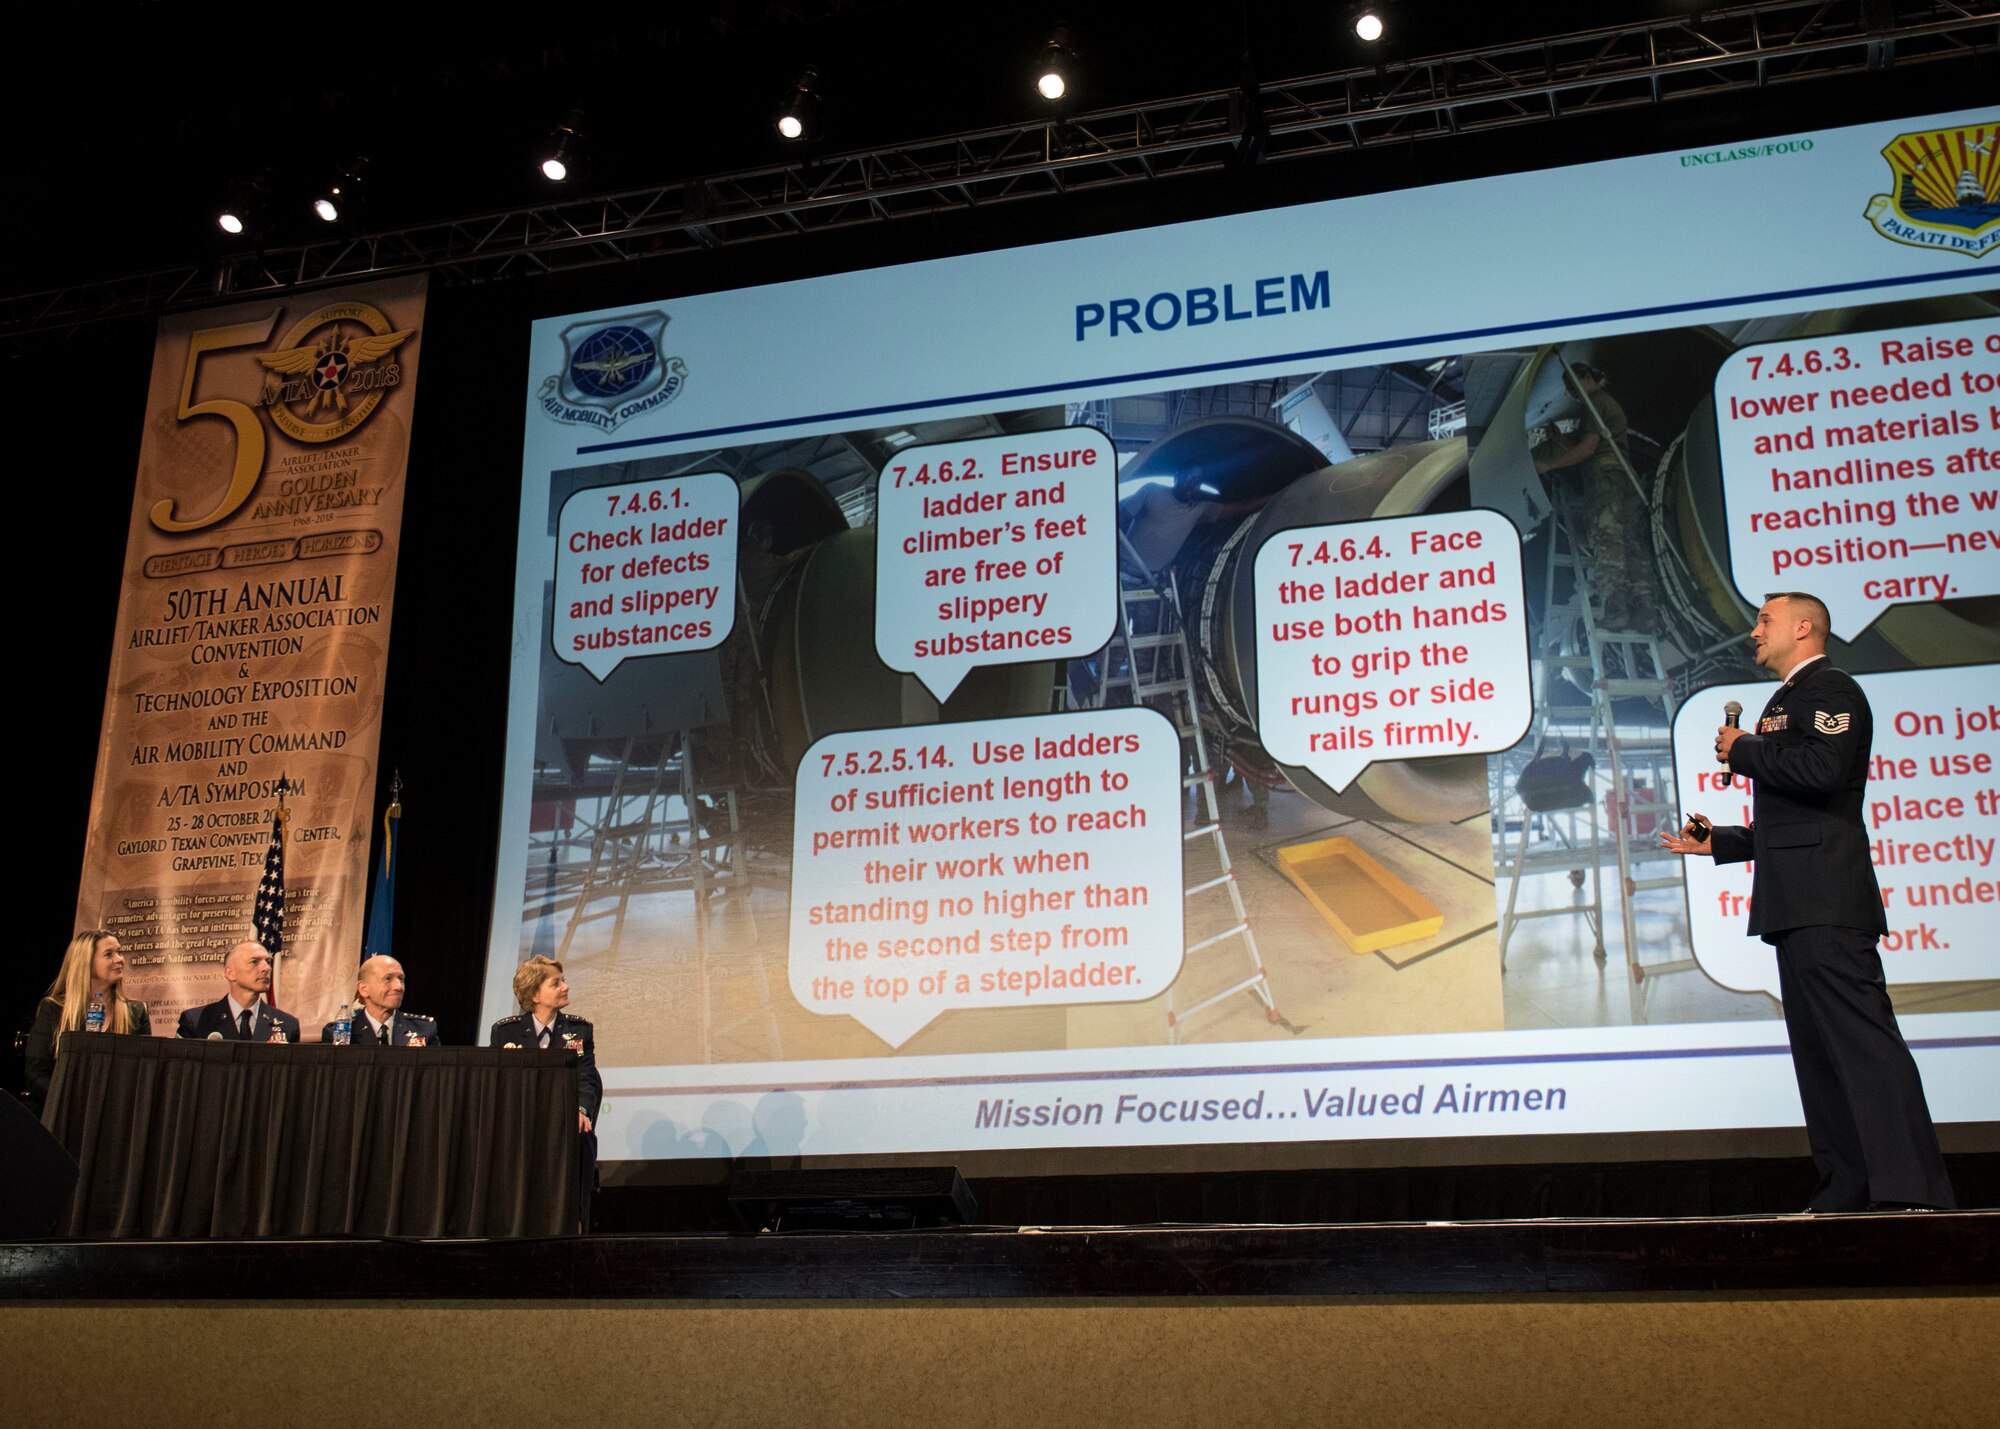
point(1367, 905)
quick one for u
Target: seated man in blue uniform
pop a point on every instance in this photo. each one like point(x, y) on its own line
point(380, 1020)
point(543, 992)
point(1813, 896)
point(242, 1014)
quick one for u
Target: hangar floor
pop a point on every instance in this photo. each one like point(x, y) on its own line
point(668, 987)
point(672, 988)
point(1553, 979)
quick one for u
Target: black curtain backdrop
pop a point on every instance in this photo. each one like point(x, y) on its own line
point(445, 698)
point(223, 1139)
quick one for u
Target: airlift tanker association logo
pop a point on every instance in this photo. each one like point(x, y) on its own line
point(341, 351)
point(1947, 193)
point(612, 372)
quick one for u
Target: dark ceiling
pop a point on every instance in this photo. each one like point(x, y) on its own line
point(138, 119)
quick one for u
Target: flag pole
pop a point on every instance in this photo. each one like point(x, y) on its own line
point(270, 915)
point(379, 935)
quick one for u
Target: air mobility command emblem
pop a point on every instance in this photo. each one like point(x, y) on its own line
point(613, 370)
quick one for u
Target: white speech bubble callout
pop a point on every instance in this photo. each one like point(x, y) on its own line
point(995, 551)
point(1932, 834)
point(1403, 638)
point(1030, 862)
point(645, 569)
point(1864, 467)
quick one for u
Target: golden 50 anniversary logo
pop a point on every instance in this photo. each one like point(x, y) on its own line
point(322, 380)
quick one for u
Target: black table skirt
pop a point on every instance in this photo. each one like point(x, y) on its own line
point(185, 1139)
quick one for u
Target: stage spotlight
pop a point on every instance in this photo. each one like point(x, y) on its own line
point(1368, 24)
point(1052, 73)
point(338, 197)
point(794, 118)
point(560, 157)
point(244, 206)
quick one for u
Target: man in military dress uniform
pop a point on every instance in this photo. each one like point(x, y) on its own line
point(1813, 895)
point(242, 1014)
point(379, 988)
point(543, 992)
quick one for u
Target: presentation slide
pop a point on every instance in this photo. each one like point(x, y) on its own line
point(1226, 683)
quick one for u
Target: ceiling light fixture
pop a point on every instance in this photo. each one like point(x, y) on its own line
point(793, 119)
point(338, 197)
point(561, 156)
point(1052, 73)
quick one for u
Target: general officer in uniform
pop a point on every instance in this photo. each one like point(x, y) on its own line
point(379, 987)
point(1813, 895)
point(543, 992)
point(241, 1014)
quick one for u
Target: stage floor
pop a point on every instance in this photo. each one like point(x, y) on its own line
point(1753, 1254)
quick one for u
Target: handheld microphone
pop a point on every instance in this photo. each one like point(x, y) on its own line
point(1732, 715)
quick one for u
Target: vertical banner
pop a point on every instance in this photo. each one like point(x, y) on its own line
point(252, 637)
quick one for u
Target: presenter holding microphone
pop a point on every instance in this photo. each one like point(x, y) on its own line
point(1813, 896)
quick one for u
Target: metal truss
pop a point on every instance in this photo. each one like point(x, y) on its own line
point(1702, 56)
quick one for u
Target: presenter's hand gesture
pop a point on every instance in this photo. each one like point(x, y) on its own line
point(1686, 841)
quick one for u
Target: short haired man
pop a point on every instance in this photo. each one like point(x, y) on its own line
point(380, 1019)
point(242, 1014)
point(543, 993)
point(1813, 896)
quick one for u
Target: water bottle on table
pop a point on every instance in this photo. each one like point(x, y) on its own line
point(343, 1026)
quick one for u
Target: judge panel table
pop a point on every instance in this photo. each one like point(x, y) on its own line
point(188, 1139)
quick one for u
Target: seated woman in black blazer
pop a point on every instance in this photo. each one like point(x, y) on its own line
point(87, 996)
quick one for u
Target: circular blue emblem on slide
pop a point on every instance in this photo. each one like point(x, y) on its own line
point(613, 370)
point(613, 362)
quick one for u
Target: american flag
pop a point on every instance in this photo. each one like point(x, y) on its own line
point(269, 919)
